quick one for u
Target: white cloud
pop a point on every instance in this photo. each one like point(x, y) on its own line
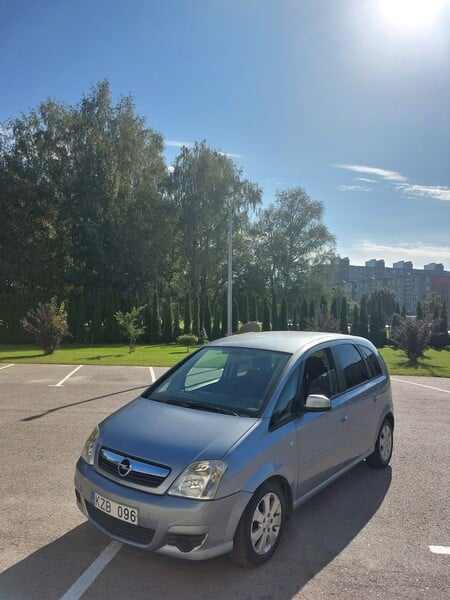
point(375, 171)
point(426, 191)
point(400, 183)
point(420, 253)
point(354, 188)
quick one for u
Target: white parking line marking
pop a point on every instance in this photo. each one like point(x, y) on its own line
point(421, 385)
point(152, 375)
point(440, 549)
point(61, 383)
point(6, 366)
point(90, 575)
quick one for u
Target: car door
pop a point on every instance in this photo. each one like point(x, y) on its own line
point(322, 437)
point(358, 396)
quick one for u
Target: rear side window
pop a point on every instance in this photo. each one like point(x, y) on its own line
point(353, 366)
point(372, 360)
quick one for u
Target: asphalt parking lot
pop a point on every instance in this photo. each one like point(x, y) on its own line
point(372, 534)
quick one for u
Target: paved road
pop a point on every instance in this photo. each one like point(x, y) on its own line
point(366, 536)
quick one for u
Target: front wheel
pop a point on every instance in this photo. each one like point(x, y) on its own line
point(381, 456)
point(259, 531)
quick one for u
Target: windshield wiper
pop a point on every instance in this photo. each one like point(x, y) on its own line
point(208, 407)
point(196, 405)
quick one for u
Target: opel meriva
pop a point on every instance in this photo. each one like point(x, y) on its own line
point(215, 455)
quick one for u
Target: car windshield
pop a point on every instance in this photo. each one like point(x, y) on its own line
point(226, 380)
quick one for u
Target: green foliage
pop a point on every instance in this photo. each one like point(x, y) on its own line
point(187, 315)
point(156, 333)
point(131, 325)
point(303, 317)
point(289, 240)
point(47, 325)
point(208, 318)
point(283, 317)
point(188, 340)
point(412, 336)
point(356, 326)
point(167, 322)
point(266, 322)
point(440, 337)
point(235, 316)
point(343, 322)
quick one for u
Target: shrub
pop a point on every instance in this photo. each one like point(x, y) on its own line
point(47, 325)
point(412, 336)
point(130, 324)
point(188, 340)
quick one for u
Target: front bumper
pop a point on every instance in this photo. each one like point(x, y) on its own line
point(182, 527)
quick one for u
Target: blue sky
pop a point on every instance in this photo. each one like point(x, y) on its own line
point(349, 99)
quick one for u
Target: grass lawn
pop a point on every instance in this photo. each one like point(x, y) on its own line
point(114, 354)
point(436, 363)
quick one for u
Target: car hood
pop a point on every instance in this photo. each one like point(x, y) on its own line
point(171, 435)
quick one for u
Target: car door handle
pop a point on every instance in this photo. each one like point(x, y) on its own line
point(343, 417)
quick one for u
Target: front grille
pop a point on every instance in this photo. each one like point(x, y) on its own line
point(141, 473)
point(127, 531)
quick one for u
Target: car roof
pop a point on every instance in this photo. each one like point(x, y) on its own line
point(283, 341)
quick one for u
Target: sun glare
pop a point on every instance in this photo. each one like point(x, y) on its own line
point(412, 14)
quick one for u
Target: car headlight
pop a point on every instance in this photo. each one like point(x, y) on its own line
point(88, 451)
point(199, 480)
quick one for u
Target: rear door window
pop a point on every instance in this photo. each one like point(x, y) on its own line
point(353, 367)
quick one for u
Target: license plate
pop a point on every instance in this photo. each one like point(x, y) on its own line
point(114, 509)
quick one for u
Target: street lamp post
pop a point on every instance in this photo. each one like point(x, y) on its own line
point(230, 271)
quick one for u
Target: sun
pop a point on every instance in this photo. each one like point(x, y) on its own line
point(412, 14)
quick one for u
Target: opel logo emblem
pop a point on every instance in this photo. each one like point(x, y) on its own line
point(124, 467)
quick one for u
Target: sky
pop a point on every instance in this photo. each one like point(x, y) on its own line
point(348, 99)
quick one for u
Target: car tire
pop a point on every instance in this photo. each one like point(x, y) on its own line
point(380, 457)
point(260, 527)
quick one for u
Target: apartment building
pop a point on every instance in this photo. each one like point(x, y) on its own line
point(408, 283)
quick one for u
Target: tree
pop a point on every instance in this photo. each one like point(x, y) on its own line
point(79, 185)
point(167, 324)
point(440, 337)
point(355, 329)
point(205, 185)
point(187, 318)
point(47, 324)
point(266, 322)
point(131, 325)
point(363, 318)
point(283, 317)
point(412, 337)
point(343, 322)
point(290, 238)
point(303, 318)
point(156, 320)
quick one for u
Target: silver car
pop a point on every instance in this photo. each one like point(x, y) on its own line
point(215, 455)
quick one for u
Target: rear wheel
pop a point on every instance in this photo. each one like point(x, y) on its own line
point(259, 531)
point(381, 456)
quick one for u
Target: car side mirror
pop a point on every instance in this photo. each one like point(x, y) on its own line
point(317, 403)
